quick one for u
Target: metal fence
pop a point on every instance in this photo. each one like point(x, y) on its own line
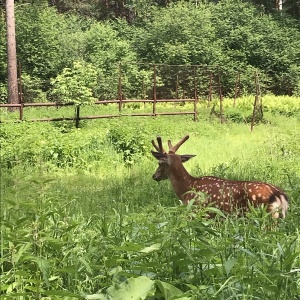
point(165, 84)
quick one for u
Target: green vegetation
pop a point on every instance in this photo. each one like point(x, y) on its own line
point(227, 36)
point(81, 217)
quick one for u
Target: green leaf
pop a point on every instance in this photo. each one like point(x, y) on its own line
point(96, 297)
point(133, 289)
point(61, 293)
point(248, 252)
point(86, 264)
point(169, 291)
point(16, 257)
point(151, 248)
point(55, 243)
point(228, 265)
point(43, 266)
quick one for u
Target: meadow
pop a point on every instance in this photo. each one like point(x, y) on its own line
point(82, 218)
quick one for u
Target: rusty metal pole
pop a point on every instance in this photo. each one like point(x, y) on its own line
point(77, 118)
point(195, 96)
point(237, 89)
point(120, 87)
point(210, 89)
point(21, 111)
point(154, 90)
point(257, 96)
point(221, 97)
point(21, 100)
point(176, 89)
point(143, 91)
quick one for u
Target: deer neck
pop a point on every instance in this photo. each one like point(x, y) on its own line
point(180, 179)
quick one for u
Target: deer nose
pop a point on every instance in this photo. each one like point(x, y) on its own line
point(155, 177)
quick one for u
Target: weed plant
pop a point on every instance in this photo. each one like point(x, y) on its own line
point(81, 217)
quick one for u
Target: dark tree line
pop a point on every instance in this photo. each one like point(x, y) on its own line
point(105, 9)
point(130, 9)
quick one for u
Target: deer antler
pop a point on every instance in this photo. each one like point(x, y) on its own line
point(173, 149)
point(159, 148)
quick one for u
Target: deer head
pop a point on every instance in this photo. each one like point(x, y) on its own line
point(170, 160)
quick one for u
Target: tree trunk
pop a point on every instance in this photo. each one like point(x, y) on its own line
point(12, 77)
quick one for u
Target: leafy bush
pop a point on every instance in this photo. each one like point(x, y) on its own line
point(248, 39)
point(47, 145)
point(3, 93)
point(32, 89)
point(76, 84)
point(104, 49)
point(41, 43)
point(132, 144)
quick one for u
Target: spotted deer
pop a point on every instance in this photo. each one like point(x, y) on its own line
point(227, 195)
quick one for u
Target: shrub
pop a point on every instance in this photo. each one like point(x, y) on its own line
point(76, 84)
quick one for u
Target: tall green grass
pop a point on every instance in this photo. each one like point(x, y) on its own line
point(81, 217)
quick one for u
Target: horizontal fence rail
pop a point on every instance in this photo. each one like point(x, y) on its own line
point(120, 103)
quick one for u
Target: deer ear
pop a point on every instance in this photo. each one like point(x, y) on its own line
point(158, 155)
point(186, 157)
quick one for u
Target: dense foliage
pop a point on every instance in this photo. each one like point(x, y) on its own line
point(230, 36)
point(81, 217)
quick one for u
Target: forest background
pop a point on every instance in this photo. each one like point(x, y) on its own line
point(61, 39)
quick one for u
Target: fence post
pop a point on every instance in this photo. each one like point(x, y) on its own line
point(21, 100)
point(154, 90)
point(176, 88)
point(257, 102)
point(237, 88)
point(77, 118)
point(221, 97)
point(120, 87)
point(195, 96)
point(210, 89)
point(143, 91)
point(21, 111)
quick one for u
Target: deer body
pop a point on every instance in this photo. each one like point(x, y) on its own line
point(227, 195)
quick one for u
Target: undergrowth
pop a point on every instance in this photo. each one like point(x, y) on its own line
point(81, 217)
